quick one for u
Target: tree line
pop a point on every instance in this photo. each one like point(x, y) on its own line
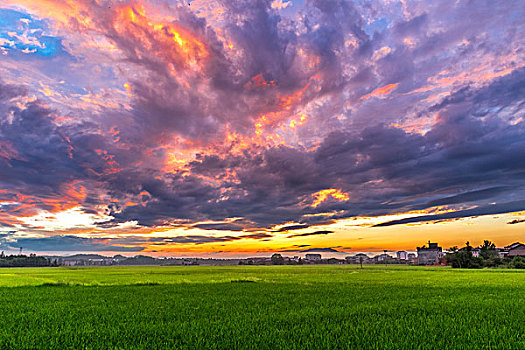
point(488, 257)
point(31, 260)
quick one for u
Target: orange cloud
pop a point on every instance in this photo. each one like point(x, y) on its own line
point(174, 44)
point(478, 75)
point(258, 82)
point(112, 165)
point(323, 195)
point(420, 126)
point(382, 91)
point(169, 41)
point(21, 206)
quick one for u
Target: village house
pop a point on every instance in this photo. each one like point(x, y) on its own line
point(357, 259)
point(292, 260)
point(313, 257)
point(382, 258)
point(515, 249)
point(402, 255)
point(502, 252)
point(429, 255)
point(86, 260)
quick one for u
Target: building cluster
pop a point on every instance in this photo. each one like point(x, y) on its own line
point(139, 260)
point(433, 254)
point(278, 259)
point(401, 257)
point(515, 249)
point(429, 254)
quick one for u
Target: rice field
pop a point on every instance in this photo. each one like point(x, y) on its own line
point(261, 307)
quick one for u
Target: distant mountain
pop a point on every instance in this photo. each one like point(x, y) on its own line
point(85, 257)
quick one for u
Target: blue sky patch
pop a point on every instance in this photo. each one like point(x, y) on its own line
point(21, 34)
point(378, 25)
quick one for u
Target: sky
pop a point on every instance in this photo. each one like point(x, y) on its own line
point(247, 127)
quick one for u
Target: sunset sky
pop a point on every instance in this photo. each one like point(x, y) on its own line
point(244, 127)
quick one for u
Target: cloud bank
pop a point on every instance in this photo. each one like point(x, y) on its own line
point(253, 118)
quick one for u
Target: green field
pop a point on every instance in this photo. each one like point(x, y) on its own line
point(261, 307)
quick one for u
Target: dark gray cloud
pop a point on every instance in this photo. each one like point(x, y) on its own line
point(312, 250)
point(34, 152)
point(257, 235)
point(61, 243)
point(469, 196)
point(198, 239)
point(292, 227)
point(486, 210)
point(223, 226)
point(128, 243)
point(315, 233)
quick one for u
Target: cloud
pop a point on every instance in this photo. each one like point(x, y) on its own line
point(292, 227)
point(63, 243)
point(220, 226)
point(468, 196)
point(197, 239)
point(313, 250)
point(23, 37)
point(321, 232)
point(257, 235)
point(486, 210)
point(126, 243)
point(237, 119)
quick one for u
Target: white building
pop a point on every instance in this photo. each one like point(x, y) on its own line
point(357, 259)
point(313, 257)
point(401, 255)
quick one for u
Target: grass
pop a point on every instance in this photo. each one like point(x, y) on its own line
point(261, 307)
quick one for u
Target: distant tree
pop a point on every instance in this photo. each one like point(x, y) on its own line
point(332, 261)
point(488, 250)
point(489, 254)
point(459, 258)
point(463, 258)
point(492, 262)
point(518, 262)
point(487, 245)
point(24, 261)
point(277, 259)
